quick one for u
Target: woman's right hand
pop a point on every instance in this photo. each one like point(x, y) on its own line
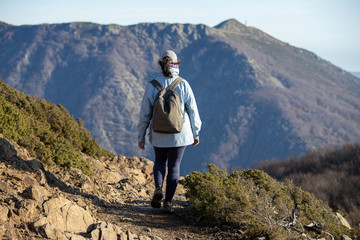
point(196, 142)
point(141, 145)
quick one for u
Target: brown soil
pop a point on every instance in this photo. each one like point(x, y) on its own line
point(119, 193)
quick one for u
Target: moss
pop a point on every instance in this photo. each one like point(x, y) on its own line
point(46, 130)
point(259, 205)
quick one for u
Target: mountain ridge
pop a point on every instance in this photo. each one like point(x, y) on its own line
point(253, 91)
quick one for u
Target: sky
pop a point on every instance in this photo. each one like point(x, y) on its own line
point(329, 28)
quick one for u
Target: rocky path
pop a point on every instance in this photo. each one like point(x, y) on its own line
point(114, 203)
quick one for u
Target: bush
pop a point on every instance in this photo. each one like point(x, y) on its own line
point(259, 205)
point(46, 130)
point(336, 173)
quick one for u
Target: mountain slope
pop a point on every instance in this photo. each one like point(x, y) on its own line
point(259, 98)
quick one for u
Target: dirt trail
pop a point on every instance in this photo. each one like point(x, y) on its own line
point(118, 193)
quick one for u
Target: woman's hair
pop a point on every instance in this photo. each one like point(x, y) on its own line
point(165, 64)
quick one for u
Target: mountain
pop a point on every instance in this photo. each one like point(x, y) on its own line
point(356, 74)
point(259, 98)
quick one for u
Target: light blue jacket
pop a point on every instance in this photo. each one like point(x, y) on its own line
point(192, 123)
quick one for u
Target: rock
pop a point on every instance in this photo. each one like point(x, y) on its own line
point(113, 177)
point(343, 221)
point(15, 176)
point(138, 178)
point(108, 234)
point(144, 238)
point(3, 187)
point(4, 211)
point(131, 236)
point(65, 215)
point(49, 231)
point(29, 181)
point(37, 193)
point(8, 231)
point(77, 237)
point(104, 231)
point(157, 238)
point(95, 234)
point(182, 180)
point(40, 176)
point(7, 151)
point(35, 165)
point(2, 229)
point(29, 211)
point(87, 185)
point(122, 235)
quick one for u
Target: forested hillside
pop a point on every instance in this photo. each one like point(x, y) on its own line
point(333, 175)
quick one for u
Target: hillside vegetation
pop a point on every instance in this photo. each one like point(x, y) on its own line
point(333, 175)
point(261, 206)
point(46, 130)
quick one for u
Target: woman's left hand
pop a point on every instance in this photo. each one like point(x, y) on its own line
point(141, 145)
point(196, 142)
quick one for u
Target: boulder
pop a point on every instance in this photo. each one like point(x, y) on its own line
point(35, 165)
point(49, 231)
point(7, 151)
point(343, 221)
point(29, 181)
point(106, 231)
point(36, 193)
point(29, 210)
point(65, 215)
point(113, 177)
point(4, 211)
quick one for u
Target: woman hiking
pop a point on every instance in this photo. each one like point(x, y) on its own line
point(168, 147)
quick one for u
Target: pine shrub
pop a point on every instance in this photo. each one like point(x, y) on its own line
point(46, 130)
point(259, 205)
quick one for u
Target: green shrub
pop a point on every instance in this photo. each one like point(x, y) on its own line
point(260, 205)
point(336, 172)
point(46, 130)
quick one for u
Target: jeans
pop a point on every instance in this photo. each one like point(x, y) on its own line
point(172, 156)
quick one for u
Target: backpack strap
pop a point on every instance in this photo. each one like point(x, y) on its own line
point(157, 85)
point(174, 84)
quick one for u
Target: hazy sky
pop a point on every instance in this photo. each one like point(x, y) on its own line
point(329, 28)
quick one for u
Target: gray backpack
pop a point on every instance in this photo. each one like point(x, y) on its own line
point(167, 116)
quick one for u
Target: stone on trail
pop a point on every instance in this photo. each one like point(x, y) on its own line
point(65, 215)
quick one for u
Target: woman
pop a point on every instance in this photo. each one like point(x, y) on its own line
point(169, 148)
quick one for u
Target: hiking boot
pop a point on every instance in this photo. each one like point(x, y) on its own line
point(167, 208)
point(156, 200)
